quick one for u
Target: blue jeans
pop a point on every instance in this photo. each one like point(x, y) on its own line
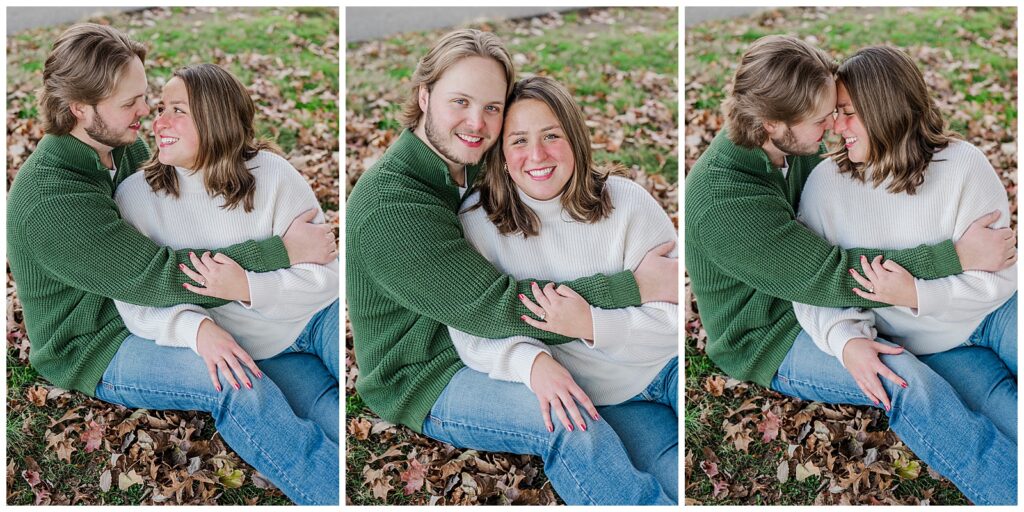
point(592, 467)
point(998, 332)
point(258, 423)
point(664, 389)
point(929, 415)
point(307, 371)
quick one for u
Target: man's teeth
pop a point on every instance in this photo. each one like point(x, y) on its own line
point(540, 173)
point(469, 138)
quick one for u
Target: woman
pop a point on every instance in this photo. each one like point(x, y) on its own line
point(212, 182)
point(900, 180)
point(545, 210)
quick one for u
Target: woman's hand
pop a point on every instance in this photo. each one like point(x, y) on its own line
point(218, 276)
point(561, 311)
point(220, 351)
point(554, 387)
point(861, 357)
point(306, 242)
point(886, 282)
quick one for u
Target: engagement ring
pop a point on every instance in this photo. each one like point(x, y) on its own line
point(542, 315)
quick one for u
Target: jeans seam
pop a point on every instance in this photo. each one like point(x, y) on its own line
point(205, 398)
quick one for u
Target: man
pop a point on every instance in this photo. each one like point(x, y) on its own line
point(749, 259)
point(410, 273)
point(71, 255)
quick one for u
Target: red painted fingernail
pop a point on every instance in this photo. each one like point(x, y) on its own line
point(523, 317)
point(248, 385)
point(886, 407)
point(521, 296)
point(596, 417)
point(852, 271)
point(584, 427)
point(876, 402)
point(236, 387)
point(904, 384)
point(570, 428)
point(181, 266)
point(184, 285)
point(550, 428)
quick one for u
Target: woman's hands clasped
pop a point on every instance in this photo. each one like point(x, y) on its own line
point(222, 353)
point(561, 311)
point(555, 388)
point(217, 276)
point(885, 282)
point(861, 357)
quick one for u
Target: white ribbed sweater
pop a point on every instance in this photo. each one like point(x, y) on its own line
point(959, 187)
point(631, 345)
point(282, 302)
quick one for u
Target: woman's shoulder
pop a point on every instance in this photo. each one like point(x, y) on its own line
point(623, 189)
point(825, 173)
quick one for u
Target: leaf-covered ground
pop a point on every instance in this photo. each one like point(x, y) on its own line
point(749, 445)
point(64, 448)
point(621, 65)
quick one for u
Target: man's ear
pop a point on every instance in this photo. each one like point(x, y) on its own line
point(770, 126)
point(424, 98)
point(78, 110)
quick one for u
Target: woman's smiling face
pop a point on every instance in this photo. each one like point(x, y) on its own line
point(849, 126)
point(538, 155)
point(176, 136)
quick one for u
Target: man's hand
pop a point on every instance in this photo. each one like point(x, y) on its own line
point(561, 311)
point(658, 275)
point(554, 387)
point(886, 282)
point(984, 248)
point(218, 276)
point(221, 352)
point(309, 243)
point(860, 355)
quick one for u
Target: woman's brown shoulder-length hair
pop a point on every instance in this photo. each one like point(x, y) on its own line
point(904, 126)
point(223, 114)
point(584, 198)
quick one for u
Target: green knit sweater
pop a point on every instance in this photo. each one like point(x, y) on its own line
point(410, 272)
point(749, 259)
point(70, 254)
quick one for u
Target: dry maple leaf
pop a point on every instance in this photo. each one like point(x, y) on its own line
point(413, 477)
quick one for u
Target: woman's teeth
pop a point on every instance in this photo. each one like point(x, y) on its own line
point(540, 173)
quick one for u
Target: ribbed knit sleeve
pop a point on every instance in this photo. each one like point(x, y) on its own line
point(757, 240)
point(290, 292)
point(75, 236)
point(174, 326)
point(509, 359)
point(418, 254)
point(832, 328)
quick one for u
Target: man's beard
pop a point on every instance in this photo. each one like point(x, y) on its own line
point(441, 145)
point(100, 132)
point(789, 145)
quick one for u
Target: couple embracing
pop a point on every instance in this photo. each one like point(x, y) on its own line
point(199, 278)
point(508, 294)
point(881, 273)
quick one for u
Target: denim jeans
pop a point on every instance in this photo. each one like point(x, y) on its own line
point(664, 389)
point(586, 467)
point(307, 371)
point(929, 415)
point(258, 423)
point(998, 332)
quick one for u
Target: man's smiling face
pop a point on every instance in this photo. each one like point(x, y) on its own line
point(463, 110)
point(804, 138)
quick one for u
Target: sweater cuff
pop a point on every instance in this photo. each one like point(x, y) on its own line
point(521, 358)
point(273, 253)
point(841, 334)
point(260, 290)
point(945, 260)
point(190, 322)
point(624, 290)
point(933, 296)
point(610, 328)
